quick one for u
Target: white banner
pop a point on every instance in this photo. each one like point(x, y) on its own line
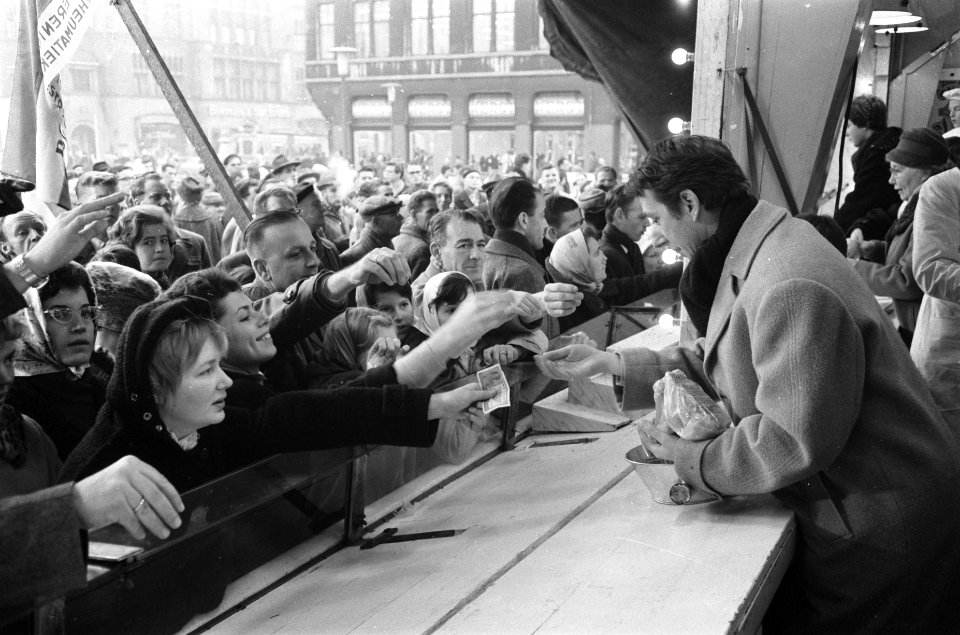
point(60, 27)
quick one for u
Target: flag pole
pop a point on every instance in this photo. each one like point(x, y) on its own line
point(188, 121)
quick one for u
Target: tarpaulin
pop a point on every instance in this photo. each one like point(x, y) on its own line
point(626, 45)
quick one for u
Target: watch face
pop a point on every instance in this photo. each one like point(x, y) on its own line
point(680, 493)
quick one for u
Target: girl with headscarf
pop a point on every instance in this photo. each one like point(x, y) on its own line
point(61, 382)
point(347, 343)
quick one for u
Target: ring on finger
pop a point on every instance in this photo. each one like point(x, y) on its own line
point(140, 505)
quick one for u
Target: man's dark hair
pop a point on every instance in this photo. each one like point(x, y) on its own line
point(700, 164)
point(605, 168)
point(555, 206)
point(619, 197)
point(442, 184)
point(253, 234)
point(828, 228)
point(438, 224)
point(68, 277)
point(139, 185)
point(548, 166)
point(396, 166)
point(512, 196)
point(868, 111)
point(417, 199)
point(210, 284)
point(227, 158)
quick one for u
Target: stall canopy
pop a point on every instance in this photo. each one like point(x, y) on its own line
point(626, 46)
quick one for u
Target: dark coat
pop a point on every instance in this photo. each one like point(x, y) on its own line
point(415, 247)
point(368, 241)
point(624, 257)
point(65, 407)
point(190, 253)
point(834, 420)
point(203, 223)
point(130, 423)
point(509, 266)
point(871, 184)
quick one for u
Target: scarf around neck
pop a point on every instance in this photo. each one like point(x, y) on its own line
point(698, 285)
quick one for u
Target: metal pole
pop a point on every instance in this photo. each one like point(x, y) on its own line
point(189, 123)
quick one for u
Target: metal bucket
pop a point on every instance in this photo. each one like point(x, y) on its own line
point(661, 480)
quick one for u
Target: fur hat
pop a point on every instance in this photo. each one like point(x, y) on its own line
point(120, 290)
point(920, 148)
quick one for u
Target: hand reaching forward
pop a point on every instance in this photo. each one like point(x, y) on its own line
point(381, 265)
point(384, 351)
point(459, 400)
point(131, 493)
point(500, 354)
point(71, 233)
point(559, 299)
point(575, 361)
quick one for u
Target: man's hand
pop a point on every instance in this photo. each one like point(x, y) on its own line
point(380, 265)
point(559, 299)
point(482, 312)
point(131, 493)
point(458, 402)
point(502, 354)
point(72, 231)
point(575, 361)
point(662, 445)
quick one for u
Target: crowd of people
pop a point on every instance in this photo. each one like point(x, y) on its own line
point(149, 314)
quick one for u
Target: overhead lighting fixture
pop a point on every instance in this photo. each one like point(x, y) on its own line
point(903, 19)
point(678, 126)
point(681, 56)
point(894, 30)
point(887, 14)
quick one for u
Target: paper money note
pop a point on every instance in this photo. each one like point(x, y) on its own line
point(493, 379)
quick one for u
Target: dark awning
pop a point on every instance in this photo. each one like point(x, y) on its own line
point(626, 45)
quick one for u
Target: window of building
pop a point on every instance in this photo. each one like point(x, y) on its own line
point(325, 31)
point(430, 27)
point(493, 25)
point(371, 27)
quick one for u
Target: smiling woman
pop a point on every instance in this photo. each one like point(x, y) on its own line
point(169, 391)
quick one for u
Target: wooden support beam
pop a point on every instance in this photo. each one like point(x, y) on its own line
point(188, 121)
point(710, 55)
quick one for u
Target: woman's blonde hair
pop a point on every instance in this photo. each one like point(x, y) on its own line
point(177, 349)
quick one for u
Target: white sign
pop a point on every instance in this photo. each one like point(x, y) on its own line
point(491, 106)
point(428, 108)
point(60, 27)
point(371, 109)
point(558, 105)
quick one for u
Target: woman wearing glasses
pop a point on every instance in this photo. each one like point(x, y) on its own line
point(61, 382)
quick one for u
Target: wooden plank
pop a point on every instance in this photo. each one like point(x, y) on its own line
point(713, 24)
point(627, 564)
point(557, 414)
point(506, 505)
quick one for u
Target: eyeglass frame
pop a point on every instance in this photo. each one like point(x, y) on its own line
point(74, 313)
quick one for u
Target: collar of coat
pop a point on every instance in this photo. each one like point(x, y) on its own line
point(515, 239)
point(618, 238)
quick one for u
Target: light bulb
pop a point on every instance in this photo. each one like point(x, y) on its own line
point(669, 256)
point(681, 56)
point(667, 321)
point(677, 125)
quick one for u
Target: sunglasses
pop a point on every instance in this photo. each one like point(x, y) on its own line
point(65, 315)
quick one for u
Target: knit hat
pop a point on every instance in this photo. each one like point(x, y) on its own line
point(120, 290)
point(592, 198)
point(920, 148)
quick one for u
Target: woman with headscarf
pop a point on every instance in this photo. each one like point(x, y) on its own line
point(577, 259)
point(168, 393)
point(887, 265)
point(61, 382)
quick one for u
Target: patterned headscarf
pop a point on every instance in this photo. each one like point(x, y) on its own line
point(35, 356)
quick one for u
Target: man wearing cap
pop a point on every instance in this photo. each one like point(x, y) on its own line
point(333, 226)
point(414, 240)
point(953, 110)
point(213, 202)
point(593, 204)
point(284, 169)
point(193, 217)
point(383, 221)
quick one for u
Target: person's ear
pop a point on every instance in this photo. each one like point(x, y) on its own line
point(435, 251)
point(261, 270)
point(551, 234)
point(522, 220)
point(619, 215)
point(690, 204)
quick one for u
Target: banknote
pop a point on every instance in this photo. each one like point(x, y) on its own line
point(493, 379)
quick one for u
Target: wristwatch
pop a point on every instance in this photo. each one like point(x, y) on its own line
point(29, 275)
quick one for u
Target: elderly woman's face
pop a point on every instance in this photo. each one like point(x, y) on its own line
point(22, 231)
point(597, 259)
point(71, 333)
point(154, 249)
point(906, 181)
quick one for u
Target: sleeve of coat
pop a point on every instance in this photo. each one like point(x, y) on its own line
point(301, 310)
point(618, 291)
point(40, 545)
point(325, 419)
point(936, 249)
point(809, 391)
point(893, 280)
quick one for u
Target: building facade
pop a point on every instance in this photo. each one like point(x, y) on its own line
point(239, 63)
point(454, 82)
